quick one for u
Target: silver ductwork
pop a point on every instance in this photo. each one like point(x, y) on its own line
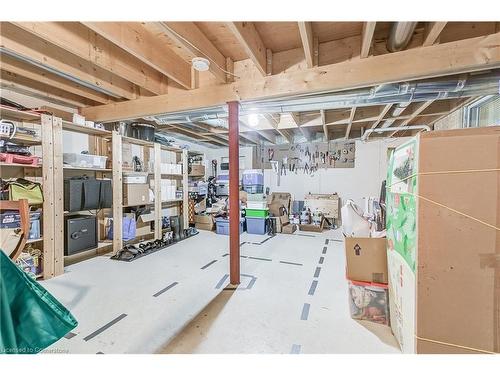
point(400, 35)
point(403, 93)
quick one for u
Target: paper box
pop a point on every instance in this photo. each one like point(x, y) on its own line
point(135, 194)
point(204, 222)
point(327, 204)
point(197, 170)
point(278, 200)
point(143, 224)
point(369, 301)
point(127, 157)
point(312, 227)
point(366, 259)
point(289, 228)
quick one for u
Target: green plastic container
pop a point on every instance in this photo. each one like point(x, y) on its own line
point(257, 213)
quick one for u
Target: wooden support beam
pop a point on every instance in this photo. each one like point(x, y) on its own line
point(432, 31)
point(234, 193)
point(192, 40)
point(443, 59)
point(367, 37)
point(194, 134)
point(77, 39)
point(274, 121)
point(142, 44)
point(51, 58)
point(307, 38)
point(249, 38)
point(304, 130)
point(415, 113)
point(382, 115)
point(349, 126)
point(42, 77)
point(325, 126)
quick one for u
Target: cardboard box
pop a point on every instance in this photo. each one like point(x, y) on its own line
point(312, 227)
point(135, 194)
point(278, 200)
point(204, 222)
point(197, 170)
point(289, 228)
point(280, 222)
point(366, 259)
point(369, 301)
point(327, 204)
point(127, 156)
point(443, 253)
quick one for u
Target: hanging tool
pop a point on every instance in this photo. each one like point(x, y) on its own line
point(270, 154)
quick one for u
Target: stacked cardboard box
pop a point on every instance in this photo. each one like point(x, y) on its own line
point(366, 272)
point(443, 220)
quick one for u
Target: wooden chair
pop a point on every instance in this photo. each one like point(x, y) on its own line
point(13, 249)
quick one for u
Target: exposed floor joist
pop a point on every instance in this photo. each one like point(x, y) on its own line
point(366, 38)
point(349, 125)
point(249, 38)
point(21, 44)
point(307, 38)
point(382, 115)
point(415, 113)
point(192, 39)
point(77, 39)
point(432, 32)
point(437, 60)
point(139, 42)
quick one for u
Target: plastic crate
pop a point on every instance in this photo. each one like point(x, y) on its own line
point(260, 213)
point(253, 177)
point(254, 189)
point(255, 197)
point(369, 301)
point(257, 205)
point(222, 225)
point(256, 225)
point(85, 160)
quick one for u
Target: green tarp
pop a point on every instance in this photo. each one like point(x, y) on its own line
point(31, 319)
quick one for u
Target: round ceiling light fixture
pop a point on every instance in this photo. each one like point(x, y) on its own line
point(253, 119)
point(200, 64)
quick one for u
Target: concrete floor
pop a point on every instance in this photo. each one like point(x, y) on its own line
point(292, 299)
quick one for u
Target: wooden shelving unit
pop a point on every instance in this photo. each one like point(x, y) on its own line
point(47, 128)
point(85, 129)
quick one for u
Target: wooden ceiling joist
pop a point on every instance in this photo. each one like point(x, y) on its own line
point(307, 38)
point(349, 126)
point(382, 115)
point(250, 40)
point(193, 134)
point(415, 113)
point(274, 120)
point(323, 123)
point(192, 40)
point(25, 46)
point(462, 56)
point(304, 130)
point(39, 90)
point(143, 45)
point(367, 37)
point(77, 39)
point(432, 31)
point(41, 76)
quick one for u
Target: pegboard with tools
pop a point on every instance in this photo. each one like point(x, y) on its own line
point(306, 157)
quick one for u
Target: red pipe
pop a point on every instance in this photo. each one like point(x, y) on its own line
point(234, 193)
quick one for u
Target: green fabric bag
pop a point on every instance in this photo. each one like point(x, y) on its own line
point(24, 189)
point(31, 319)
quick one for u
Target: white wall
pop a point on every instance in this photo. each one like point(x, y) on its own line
point(363, 180)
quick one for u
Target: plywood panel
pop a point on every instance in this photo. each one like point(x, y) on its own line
point(220, 35)
point(279, 36)
point(326, 31)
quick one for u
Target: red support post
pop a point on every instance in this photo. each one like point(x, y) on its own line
point(234, 193)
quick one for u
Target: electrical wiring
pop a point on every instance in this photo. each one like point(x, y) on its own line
point(200, 51)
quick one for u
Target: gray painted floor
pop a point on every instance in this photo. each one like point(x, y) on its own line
point(292, 299)
point(296, 303)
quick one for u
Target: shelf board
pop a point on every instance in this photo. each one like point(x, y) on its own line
point(85, 129)
point(17, 115)
point(2, 164)
point(136, 141)
point(172, 174)
point(22, 140)
point(87, 169)
point(137, 205)
point(170, 148)
point(172, 200)
point(34, 240)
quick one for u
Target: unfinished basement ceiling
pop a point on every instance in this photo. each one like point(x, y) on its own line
point(341, 114)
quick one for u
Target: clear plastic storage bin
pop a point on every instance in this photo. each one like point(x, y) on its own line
point(85, 160)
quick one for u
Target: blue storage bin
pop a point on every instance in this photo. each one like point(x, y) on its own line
point(254, 189)
point(253, 177)
point(256, 225)
point(222, 225)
